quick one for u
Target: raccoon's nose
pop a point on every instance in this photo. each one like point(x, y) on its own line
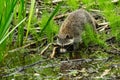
point(62, 44)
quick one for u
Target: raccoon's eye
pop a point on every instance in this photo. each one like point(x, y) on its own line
point(68, 37)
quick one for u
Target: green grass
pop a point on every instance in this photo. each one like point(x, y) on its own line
point(21, 15)
point(111, 14)
point(30, 17)
point(49, 26)
point(8, 11)
point(91, 37)
point(15, 11)
point(6, 15)
point(73, 4)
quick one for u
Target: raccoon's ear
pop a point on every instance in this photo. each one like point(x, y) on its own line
point(68, 36)
point(55, 37)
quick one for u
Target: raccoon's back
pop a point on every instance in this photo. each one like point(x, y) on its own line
point(74, 24)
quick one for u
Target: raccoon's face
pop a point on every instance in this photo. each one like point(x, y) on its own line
point(63, 40)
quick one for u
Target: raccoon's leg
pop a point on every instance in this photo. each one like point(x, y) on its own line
point(75, 47)
point(76, 50)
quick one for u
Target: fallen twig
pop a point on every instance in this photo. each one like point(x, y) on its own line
point(55, 46)
point(104, 26)
point(54, 52)
point(110, 40)
point(60, 16)
point(104, 23)
point(43, 51)
point(17, 49)
point(82, 60)
point(20, 69)
point(25, 46)
point(56, 1)
point(115, 52)
point(115, 1)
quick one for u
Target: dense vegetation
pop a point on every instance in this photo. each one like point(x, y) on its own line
point(28, 26)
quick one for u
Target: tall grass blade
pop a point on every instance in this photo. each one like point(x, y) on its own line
point(52, 15)
point(30, 17)
point(11, 31)
point(21, 28)
point(6, 15)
